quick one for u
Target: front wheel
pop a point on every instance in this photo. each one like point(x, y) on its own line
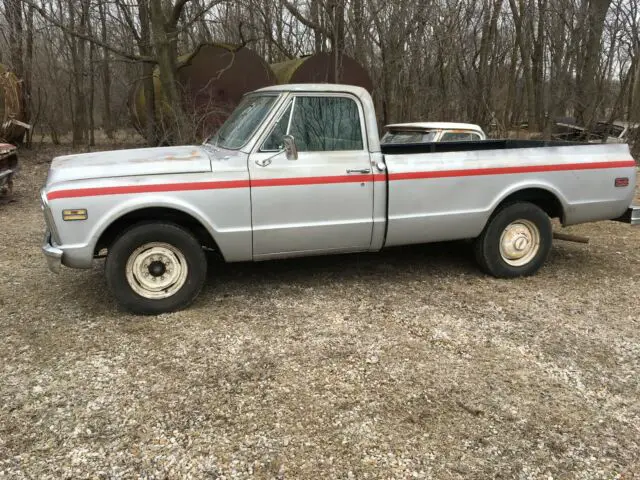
point(155, 268)
point(516, 241)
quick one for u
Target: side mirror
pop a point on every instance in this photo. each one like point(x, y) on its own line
point(290, 147)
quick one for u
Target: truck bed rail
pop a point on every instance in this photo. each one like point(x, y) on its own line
point(438, 147)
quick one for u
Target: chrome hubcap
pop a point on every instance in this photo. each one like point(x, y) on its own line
point(156, 270)
point(519, 243)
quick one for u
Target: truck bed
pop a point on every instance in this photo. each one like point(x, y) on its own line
point(447, 191)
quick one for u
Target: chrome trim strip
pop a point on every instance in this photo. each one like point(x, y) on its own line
point(48, 217)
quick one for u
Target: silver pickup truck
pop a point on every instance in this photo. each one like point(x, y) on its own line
point(298, 170)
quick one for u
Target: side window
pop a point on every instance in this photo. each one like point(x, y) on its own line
point(325, 124)
point(459, 137)
point(273, 143)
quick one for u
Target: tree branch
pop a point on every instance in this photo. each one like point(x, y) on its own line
point(176, 12)
point(126, 13)
point(89, 38)
point(308, 23)
point(200, 14)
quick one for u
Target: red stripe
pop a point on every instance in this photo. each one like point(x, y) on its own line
point(163, 187)
point(273, 182)
point(470, 172)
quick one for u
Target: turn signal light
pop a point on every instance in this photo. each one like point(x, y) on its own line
point(74, 214)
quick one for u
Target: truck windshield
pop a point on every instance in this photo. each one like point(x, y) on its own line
point(244, 120)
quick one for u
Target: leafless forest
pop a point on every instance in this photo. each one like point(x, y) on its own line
point(499, 63)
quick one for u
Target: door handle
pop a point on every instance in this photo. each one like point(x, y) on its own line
point(358, 170)
point(264, 163)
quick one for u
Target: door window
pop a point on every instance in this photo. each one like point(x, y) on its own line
point(273, 143)
point(319, 124)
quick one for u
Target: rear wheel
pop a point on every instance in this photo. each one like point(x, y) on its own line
point(516, 241)
point(155, 268)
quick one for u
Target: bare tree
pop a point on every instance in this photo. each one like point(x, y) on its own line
point(492, 62)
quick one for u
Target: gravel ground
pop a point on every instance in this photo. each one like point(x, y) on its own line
point(404, 364)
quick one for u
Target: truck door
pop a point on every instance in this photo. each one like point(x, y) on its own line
point(323, 201)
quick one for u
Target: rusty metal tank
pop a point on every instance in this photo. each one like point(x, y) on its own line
point(320, 68)
point(12, 118)
point(213, 78)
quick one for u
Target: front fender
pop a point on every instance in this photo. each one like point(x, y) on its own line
point(150, 201)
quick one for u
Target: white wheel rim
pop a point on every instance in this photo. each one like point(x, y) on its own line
point(156, 270)
point(519, 243)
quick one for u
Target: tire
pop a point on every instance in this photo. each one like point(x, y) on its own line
point(515, 242)
point(155, 268)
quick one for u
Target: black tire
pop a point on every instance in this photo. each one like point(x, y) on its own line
point(174, 240)
point(487, 245)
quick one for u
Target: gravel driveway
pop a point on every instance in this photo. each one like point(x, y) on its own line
point(404, 364)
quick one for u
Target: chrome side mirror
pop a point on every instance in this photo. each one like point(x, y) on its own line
point(290, 147)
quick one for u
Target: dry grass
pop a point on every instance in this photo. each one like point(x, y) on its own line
point(404, 364)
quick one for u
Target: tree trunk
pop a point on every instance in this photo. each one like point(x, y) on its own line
point(92, 84)
point(28, 75)
point(489, 27)
point(587, 84)
point(77, 102)
point(318, 39)
point(525, 53)
point(13, 12)
point(151, 133)
point(164, 42)
point(537, 63)
point(634, 110)
point(107, 123)
point(358, 32)
point(337, 40)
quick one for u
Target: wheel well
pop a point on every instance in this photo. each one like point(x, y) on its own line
point(178, 217)
point(544, 199)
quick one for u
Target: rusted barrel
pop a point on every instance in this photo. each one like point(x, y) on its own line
point(12, 117)
point(320, 68)
point(212, 79)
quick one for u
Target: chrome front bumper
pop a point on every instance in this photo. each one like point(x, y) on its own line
point(52, 254)
point(632, 215)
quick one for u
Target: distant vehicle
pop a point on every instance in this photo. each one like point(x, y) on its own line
point(429, 132)
point(8, 166)
point(616, 132)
